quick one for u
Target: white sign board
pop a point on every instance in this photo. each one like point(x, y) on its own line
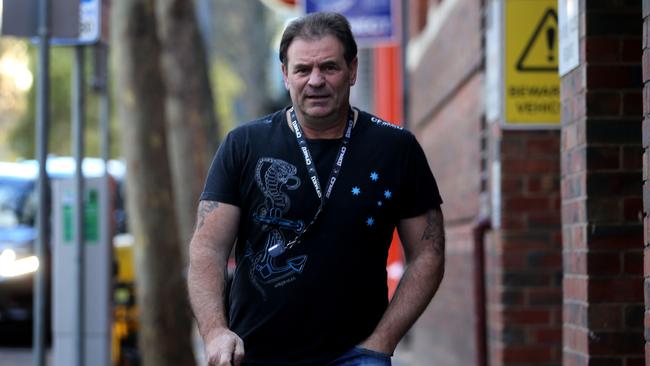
point(569, 37)
point(494, 62)
point(89, 24)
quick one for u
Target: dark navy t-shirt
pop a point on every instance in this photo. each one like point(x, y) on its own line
point(326, 294)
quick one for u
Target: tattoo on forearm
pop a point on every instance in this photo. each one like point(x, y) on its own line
point(205, 207)
point(435, 231)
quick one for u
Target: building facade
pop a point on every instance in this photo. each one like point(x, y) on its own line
point(545, 226)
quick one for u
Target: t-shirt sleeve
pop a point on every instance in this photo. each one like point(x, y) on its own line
point(420, 191)
point(222, 183)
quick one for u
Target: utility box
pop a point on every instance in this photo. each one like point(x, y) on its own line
point(97, 273)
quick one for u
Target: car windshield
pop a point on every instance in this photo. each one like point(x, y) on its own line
point(17, 206)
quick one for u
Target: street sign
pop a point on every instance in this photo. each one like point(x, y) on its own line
point(532, 83)
point(20, 18)
point(90, 24)
point(373, 21)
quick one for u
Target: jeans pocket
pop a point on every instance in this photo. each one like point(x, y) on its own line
point(372, 353)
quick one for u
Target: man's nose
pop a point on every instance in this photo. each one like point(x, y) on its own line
point(316, 78)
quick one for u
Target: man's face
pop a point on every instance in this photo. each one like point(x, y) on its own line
point(318, 78)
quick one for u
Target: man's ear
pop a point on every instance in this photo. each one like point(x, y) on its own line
point(353, 70)
point(285, 75)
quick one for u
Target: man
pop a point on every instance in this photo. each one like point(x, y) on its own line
point(312, 194)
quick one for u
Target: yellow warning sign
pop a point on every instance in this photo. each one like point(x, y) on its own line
point(532, 82)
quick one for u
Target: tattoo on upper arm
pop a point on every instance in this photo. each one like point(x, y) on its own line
point(205, 207)
point(435, 231)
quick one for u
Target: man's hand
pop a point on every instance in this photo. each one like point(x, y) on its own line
point(224, 349)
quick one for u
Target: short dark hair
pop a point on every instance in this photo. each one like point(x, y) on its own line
point(315, 26)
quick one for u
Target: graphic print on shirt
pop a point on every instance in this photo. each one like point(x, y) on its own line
point(274, 177)
point(372, 188)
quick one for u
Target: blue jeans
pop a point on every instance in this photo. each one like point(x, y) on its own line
point(358, 356)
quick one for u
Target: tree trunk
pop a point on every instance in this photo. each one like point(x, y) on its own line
point(191, 121)
point(244, 39)
point(165, 319)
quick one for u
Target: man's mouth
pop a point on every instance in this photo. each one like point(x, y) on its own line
point(317, 96)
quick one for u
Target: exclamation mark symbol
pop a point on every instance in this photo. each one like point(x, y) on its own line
point(550, 42)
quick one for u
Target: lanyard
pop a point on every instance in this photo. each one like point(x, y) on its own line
point(278, 249)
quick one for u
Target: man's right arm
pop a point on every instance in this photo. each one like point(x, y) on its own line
point(213, 239)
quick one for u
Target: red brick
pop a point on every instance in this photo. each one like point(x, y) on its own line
point(605, 317)
point(632, 49)
point(615, 237)
point(632, 157)
point(616, 343)
point(633, 263)
point(574, 359)
point(576, 339)
point(603, 49)
point(523, 203)
point(575, 263)
point(543, 146)
point(526, 316)
point(604, 210)
point(614, 77)
point(528, 166)
point(604, 104)
point(544, 220)
point(551, 336)
point(633, 209)
point(635, 361)
point(545, 296)
point(603, 263)
point(512, 185)
point(544, 184)
point(528, 354)
point(575, 288)
point(574, 186)
point(603, 158)
point(574, 212)
point(633, 104)
point(615, 290)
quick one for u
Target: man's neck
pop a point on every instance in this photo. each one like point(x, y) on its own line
point(314, 131)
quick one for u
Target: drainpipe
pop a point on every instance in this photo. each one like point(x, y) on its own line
point(482, 225)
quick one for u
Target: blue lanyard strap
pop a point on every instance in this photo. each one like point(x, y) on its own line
point(278, 249)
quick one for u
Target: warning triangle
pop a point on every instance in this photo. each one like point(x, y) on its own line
point(540, 54)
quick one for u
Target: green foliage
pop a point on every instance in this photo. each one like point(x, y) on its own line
point(22, 137)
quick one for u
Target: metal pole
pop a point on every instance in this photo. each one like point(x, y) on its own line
point(405, 70)
point(42, 125)
point(78, 105)
point(104, 102)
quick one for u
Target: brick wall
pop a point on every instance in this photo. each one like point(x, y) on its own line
point(524, 257)
point(601, 190)
point(646, 165)
point(446, 93)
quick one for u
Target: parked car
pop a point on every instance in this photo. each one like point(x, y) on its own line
point(17, 235)
point(18, 207)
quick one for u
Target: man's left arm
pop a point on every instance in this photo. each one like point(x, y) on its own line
point(423, 240)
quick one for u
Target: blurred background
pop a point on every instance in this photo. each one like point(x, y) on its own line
point(530, 113)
